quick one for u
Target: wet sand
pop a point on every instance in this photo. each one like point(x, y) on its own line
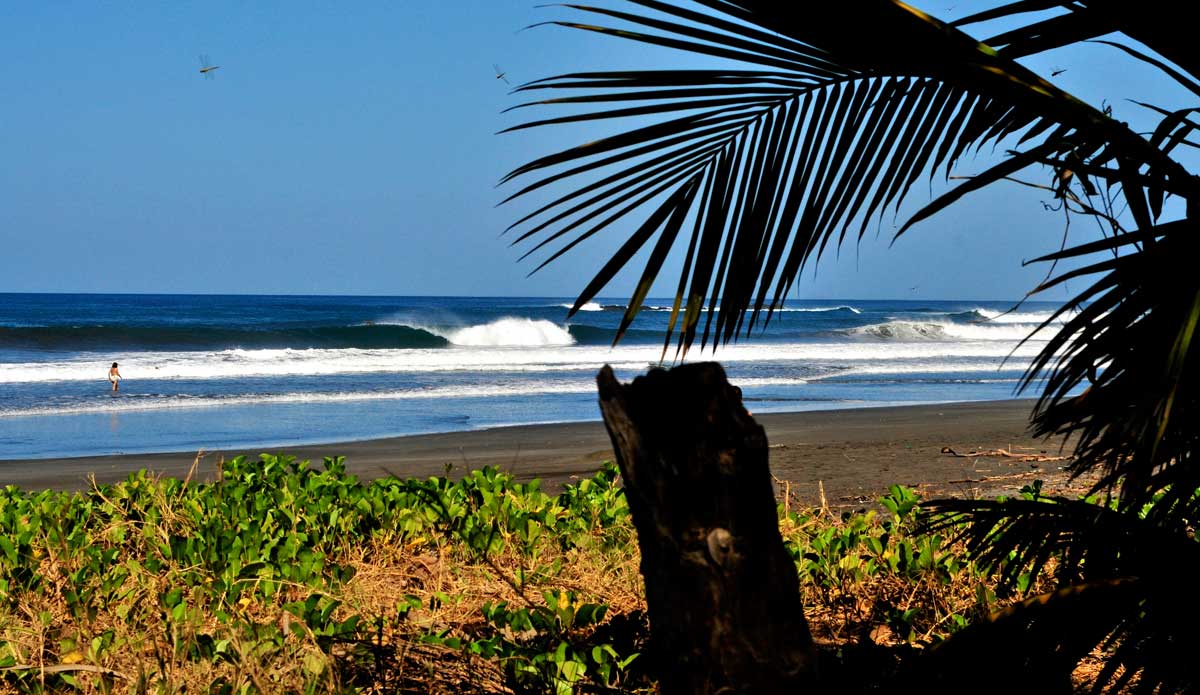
point(853, 455)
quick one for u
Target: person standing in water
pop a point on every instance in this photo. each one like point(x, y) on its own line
point(115, 377)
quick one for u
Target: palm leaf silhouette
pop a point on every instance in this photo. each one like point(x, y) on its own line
point(830, 124)
point(1120, 574)
point(812, 131)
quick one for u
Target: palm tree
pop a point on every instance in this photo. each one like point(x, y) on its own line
point(824, 116)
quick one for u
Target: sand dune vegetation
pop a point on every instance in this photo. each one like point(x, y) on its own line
point(286, 576)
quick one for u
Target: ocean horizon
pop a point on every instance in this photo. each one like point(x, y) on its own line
point(228, 371)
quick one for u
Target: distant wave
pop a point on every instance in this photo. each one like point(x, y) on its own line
point(903, 330)
point(101, 337)
point(992, 317)
point(992, 368)
point(1015, 381)
point(596, 306)
point(651, 307)
point(590, 306)
point(370, 336)
point(821, 309)
point(937, 330)
point(507, 332)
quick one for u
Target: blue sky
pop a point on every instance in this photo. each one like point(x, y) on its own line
point(352, 149)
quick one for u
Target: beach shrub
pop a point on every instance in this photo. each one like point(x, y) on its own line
point(253, 570)
point(285, 576)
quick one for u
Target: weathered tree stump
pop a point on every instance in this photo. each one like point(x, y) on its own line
point(721, 590)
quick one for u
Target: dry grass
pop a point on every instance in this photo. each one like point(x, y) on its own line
point(410, 584)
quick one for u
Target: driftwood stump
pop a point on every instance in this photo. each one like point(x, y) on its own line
point(721, 590)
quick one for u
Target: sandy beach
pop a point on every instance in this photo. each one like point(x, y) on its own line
point(854, 455)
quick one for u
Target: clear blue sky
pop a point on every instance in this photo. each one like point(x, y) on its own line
point(351, 148)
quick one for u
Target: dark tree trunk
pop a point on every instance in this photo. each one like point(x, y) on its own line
point(722, 591)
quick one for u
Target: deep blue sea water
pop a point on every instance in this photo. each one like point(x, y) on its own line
point(205, 371)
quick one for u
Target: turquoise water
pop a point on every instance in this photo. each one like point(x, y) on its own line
point(211, 372)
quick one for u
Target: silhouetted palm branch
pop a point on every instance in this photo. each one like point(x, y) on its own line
point(1130, 340)
point(1120, 575)
point(832, 125)
point(1146, 22)
point(816, 127)
point(1086, 541)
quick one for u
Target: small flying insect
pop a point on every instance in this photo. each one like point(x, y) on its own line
point(1057, 71)
point(500, 74)
point(206, 67)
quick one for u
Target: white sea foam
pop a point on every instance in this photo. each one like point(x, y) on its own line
point(995, 367)
point(780, 309)
point(1010, 332)
point(821, 309)
point(175, 402)
point(1038, 317)
point(232, 364)
point(515, 388)
point(590, 306)
point(507, 332)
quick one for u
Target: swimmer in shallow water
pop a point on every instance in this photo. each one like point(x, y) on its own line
point(115, 377)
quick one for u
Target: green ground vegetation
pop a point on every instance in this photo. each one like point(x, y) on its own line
point(282, 576)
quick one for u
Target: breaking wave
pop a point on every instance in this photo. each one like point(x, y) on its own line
point(508, 332)
point(651, 307)
point(367, 336)
point(906, 331)
point(992, 317)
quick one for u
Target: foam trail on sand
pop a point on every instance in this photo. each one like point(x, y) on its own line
point(278, 363)
point(154, 402)
point(583, 384)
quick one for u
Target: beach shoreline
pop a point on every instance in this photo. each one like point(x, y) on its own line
point(845, 457)
point(241, 370)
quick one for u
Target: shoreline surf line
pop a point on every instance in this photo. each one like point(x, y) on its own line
point(854, 453)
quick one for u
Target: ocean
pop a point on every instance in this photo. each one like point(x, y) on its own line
point(210, 372)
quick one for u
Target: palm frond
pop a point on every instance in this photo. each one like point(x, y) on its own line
point(1128, 342)
point(811, 129)
point(1124, 588)
point(818, 130)
point(1145, 22)
point(1087, 541)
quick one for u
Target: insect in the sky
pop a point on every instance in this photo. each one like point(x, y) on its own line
point(500, 74)
point(206, 67)
point(1057, 71)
